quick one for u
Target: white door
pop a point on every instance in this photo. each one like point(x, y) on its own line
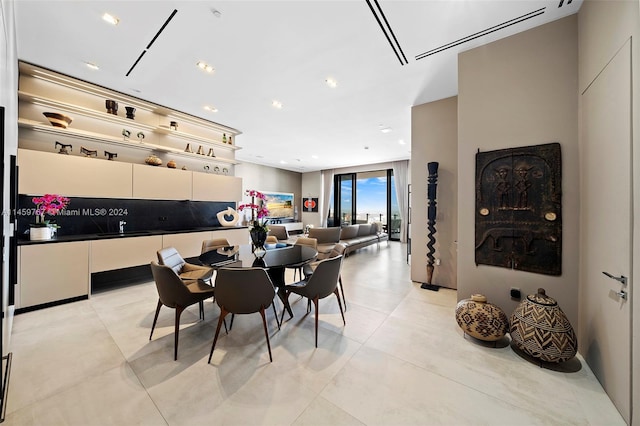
point(606, 228)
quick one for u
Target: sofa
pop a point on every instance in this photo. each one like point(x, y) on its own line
point(353, 237)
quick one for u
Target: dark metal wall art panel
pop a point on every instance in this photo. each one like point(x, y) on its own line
point(519, 208)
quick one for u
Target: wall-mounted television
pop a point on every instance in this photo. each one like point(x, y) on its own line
point(280, 205)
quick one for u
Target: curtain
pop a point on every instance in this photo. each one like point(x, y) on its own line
point(401, 179)
point(325, 202)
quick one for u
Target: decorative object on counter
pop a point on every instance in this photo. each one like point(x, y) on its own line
point(184, 168)
point(259, 229)
point(63, 148)
point(540, 329)
point(131, 112)
point(235, 217)
point(88, 152)
point(211, 154)
point(112, 106)
point(224, 138)
point(482, 320)
point(126, 133)
point(152, 160)
point(171, 164)
point(225, 170)
point(201, 150)
point(110, 155)
point(140, 136)
point(173, 125)
point(50, 204)
point(230, 140)
point(188, 148)
point(216, 169)
point(58, 120)
point(432, 185)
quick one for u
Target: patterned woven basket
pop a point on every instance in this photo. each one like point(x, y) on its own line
point(540, 329)
point(480, 319)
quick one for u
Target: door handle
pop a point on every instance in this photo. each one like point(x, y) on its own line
point(621, 278)
point(622, 294)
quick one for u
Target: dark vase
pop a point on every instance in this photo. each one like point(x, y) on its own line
point(258, 238)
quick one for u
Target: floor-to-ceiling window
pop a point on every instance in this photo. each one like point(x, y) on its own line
point(366, 197)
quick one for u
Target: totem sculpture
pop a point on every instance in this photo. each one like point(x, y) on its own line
point(431, 223)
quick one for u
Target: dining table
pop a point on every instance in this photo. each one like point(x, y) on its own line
point(276, 259)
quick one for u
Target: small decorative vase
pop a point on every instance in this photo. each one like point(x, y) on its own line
point(40, 233)
point(112, 106)
point(540, 329)
point(173, 125)
point(482, 320)
point(131, 112)
point(258, 238)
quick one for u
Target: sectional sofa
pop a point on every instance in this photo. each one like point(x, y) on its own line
point(353, 237)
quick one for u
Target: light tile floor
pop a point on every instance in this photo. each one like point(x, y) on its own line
point(400, 360)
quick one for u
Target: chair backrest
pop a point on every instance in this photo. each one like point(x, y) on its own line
point(324, 279)
point(279, 231)
point(325, 235)
point(170, 257)
point(304, 241)
point(216, 243)
point(243, 290)
point(271, 239)
point(171, 288)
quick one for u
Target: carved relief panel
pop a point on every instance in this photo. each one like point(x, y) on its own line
point(519, 209)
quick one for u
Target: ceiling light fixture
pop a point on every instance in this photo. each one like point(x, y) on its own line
point(401, 142)
point(211, 109)
point(277, 104)
point(331, 82)
point(315, 157)
point(283, 162)
point(110, 19)
point(385, 129)
point(205, 67)
point(216, 12)
point(92, 66)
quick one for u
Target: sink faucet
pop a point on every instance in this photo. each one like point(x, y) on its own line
point(122, 224)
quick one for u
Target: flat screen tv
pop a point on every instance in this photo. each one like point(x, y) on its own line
point(280, 205)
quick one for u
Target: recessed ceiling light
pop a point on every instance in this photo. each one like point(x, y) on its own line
point(331, 82)
point(315, 157)
point(385, 129)
point(210, 108)
point(401, 142)
point(283, 162)
point(366, 147)
point(110, 19)
point(92, 65)
point(276, 104)
point(216, 12)
point(205, 67)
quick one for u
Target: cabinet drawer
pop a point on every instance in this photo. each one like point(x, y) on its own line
point(118, 253)
point(161, 183)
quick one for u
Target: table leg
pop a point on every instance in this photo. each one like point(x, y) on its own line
point(277, 278)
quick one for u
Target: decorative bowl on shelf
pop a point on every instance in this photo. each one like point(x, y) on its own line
point(58, 120)
point(152, 160)
point(172, 164)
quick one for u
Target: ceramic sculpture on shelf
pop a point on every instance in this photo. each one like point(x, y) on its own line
point(228, 212)
point(58, 120)
point(482, 320)
point(540, 329)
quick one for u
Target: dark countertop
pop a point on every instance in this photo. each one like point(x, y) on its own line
point(126, 234)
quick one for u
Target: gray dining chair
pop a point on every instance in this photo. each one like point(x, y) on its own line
point(170, 257)
point(338, 250)
point(302, 241)
point(322, 283)
point(244, 291)
point(216, 243)
point(175, 293)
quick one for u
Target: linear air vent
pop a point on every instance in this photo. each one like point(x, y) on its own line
point(482, 33)
point(388, 32)
point(562, 2)
point(153, 40)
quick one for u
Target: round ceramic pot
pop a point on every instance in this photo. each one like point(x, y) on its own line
point(39, 233)
point(482, 320)
point(540, 329)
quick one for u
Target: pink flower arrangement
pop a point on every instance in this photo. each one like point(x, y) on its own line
point(258, 211)
point(50, 204)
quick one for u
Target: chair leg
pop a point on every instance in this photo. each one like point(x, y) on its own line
point(223, 313)
point(284, 302)
point(231, 324)
point(179, 310)
point(201, 305)
point(315, 302)
point(275, 314)
point(340, 305)
point(344, 299)
point(155, 318)
point(266, 331)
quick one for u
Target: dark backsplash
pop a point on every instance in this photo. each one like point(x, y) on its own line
point(100, 215)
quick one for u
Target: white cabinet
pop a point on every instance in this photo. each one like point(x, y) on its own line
point(235, 236)
point(52, 272)
point(210, 187)
point(161, 183)
point(47, 173)
point(118, 253)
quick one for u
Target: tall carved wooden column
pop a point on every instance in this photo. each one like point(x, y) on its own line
point(431, 223)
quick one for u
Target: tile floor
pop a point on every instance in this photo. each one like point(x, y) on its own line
point(400, 360)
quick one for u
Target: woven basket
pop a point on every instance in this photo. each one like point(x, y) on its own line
point(480, 319)
point(540, 329)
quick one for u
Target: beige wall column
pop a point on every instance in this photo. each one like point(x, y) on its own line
point(520, 91)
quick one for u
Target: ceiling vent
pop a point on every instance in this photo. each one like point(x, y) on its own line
point(562, 2)
point(387, 31)
point(482, 33)
point(153, 40)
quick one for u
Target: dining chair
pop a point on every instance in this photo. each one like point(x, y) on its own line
point(244, 291)
point(322, 283)
point(170, 257)
point(303, 241)
point(173, 292)
point(216, 243)
point(271, 239)
point(338, 250)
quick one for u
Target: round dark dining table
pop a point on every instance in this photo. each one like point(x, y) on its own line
point(275, 260)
